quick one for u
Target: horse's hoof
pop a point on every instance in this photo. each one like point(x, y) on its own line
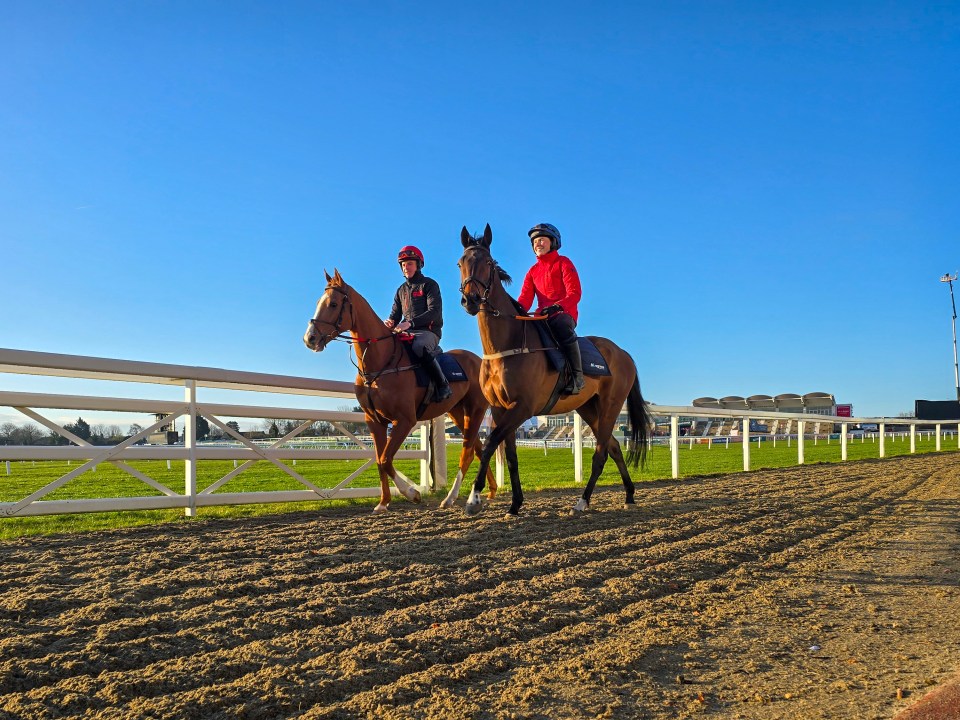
point(473, 509)
point(580, 508)
point(511, 517)
point(491, 495)
point(415, 497)
point(629, 506)
point(447, 504)
point(380, 508)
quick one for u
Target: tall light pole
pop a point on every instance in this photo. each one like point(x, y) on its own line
point(948, 278)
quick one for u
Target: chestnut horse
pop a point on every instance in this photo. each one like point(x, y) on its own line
point(389, 394)
point(519, 382)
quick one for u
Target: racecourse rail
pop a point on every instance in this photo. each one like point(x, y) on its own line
point(431, 451)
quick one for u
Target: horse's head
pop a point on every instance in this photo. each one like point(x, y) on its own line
point(329, 321)
point(478, 270)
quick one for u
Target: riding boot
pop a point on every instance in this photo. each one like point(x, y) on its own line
point(432, 366)
point(572, 351)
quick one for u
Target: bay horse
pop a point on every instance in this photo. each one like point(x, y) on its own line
point(519, 382)
point(388, 394)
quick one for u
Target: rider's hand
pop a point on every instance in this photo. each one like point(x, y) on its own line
point(404, 326)
point(550, 310)
point(389, 323)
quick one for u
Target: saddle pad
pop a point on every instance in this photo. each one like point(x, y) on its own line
point(448, 363)
point(593, 362)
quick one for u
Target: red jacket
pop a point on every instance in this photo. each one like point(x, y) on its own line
point(554, 280)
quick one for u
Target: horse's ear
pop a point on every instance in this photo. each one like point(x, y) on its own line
point(487, 236)
point(465, 239)
point(336, 277)
point(327, 275)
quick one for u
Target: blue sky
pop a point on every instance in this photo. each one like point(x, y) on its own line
point(760, 197)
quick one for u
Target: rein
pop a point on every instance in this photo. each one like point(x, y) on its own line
point(339, 333)
point(485, 306)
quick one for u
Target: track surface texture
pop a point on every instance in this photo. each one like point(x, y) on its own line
point(826, 591)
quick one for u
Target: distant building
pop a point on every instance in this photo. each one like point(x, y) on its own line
point(165, 434)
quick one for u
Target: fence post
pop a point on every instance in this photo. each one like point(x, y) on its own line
point(938, 437)
point(190, 442)
point(675, 446)
point(801, 426)
point(913, 438)
point(883, 433)
point(843, 441)
point(746, 443)
point(577, 448)
point(439, 453)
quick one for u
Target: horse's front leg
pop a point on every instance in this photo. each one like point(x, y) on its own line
point(505, 429)
point(514, 469)
point(474, 502)
point(379, 434)
point(398, 433)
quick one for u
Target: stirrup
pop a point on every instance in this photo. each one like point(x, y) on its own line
point(442, 393)
point(574, 386)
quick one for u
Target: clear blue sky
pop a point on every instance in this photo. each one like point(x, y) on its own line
point(760, 197)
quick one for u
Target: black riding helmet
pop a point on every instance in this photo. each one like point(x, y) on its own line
point(545, 230)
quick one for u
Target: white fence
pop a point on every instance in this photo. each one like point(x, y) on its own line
point(191, 452)
point(432, 458)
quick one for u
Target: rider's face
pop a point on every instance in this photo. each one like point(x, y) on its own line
point(541, 245)
point(409, 268)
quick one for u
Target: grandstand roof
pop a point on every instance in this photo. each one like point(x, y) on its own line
point(811, 400)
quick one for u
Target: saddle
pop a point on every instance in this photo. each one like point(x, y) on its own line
point(448, 363)
point(593, 362)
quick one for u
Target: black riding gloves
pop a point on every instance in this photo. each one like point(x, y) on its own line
point(550, 310)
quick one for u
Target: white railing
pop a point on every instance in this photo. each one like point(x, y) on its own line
point(432, 459)
point(674, 413)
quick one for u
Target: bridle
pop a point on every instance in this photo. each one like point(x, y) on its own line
point(338, 332)
point(487, 286)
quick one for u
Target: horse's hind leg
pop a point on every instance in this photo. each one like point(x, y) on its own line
point(616, 452)
point(596, 468)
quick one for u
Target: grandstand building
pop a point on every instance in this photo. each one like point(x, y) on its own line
point(560, 427)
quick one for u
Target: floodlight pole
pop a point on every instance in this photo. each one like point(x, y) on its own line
point(948, 278)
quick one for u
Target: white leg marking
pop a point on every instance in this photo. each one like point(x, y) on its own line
point(450, 500)
point(406, 489)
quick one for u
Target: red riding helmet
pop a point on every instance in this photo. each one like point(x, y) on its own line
point(409, 252)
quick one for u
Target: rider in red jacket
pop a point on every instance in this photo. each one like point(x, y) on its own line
point(554, 281)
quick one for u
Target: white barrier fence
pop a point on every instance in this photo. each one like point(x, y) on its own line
point(432, 456)
point(191, 452)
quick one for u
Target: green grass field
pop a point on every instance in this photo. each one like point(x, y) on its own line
point(539, 471)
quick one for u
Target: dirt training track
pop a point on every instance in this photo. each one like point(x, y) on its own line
point(826, 591)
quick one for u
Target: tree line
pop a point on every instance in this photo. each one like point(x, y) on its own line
point(101, 434)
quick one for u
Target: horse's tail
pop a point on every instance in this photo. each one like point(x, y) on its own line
point(639, 425)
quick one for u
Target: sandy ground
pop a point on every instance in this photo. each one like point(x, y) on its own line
point(826, 591)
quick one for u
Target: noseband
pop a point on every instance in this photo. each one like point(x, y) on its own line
point(487, 286)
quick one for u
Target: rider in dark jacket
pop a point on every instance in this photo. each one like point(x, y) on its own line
point(418, 309)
